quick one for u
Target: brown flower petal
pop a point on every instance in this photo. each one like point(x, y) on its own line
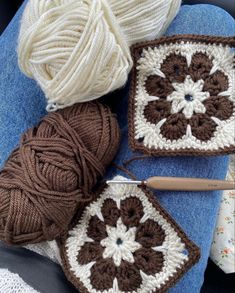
point(96, 229)
point(216, 83)
point(174, 127)
point(90, 251)
point(128, 277)
point(110, 212)
point(158, 86)
point(103, 273)
point(157, 110)
point(150, 234)
point(219, 107)
point(175, 68)
point(200, 66)
point(131, 211)
point(149, 261)
point(202, 126)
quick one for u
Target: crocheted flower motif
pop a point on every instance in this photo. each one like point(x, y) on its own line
point(191, 91)
point(123, 243)
point(184, 98)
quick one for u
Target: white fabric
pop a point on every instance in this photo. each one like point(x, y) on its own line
point(12, 283)
point(48, 249)
point(223, 246)
point(79, 51)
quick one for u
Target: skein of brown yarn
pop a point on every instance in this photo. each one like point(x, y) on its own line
point(53, 170)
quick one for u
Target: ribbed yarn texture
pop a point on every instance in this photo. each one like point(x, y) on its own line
point(78, 51)
point(52, 172)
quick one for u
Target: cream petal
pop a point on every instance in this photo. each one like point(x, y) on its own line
point(197, 86)
point(159, 72)
point(120, 227)
point(175, 96)
point(88, 239)
point(174, 107)
point(202, 96)
point(181, 105)
point(158, 126)
point(128, 256)
point(118, 202)
point(130, 234)
point(106, 242)
point(99, 215)
point(199, 107)
point(152, 98)
point(188, 110)
point(160, 248)
point(110, 230)
point(189, 131)
point(178, 87)
point(115, 286)
point(117, 257)
point(188, 59)
point(146, 216)
point(216, 120)
point(177, 105)
point(109, 252)
point(225, 93)
point(214, 68)
point(133, 246)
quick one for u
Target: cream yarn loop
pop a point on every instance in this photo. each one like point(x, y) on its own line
point(78, 50)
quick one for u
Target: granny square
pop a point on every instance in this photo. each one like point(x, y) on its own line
point(125, 242)
point(182, 98)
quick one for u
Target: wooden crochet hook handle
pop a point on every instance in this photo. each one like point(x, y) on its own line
point(180, 183)
point(193, 184)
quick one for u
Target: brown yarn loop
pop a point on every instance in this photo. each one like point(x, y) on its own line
point(53, 170)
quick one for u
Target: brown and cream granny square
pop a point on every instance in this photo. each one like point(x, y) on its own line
point(182, 99)
point(125, 242)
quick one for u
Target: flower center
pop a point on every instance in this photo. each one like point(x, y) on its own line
point(188, 98)
point(119, 241)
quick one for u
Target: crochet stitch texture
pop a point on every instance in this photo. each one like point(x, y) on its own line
point(125, 242)
point(183, 96)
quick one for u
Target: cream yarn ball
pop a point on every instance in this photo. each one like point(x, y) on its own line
point(78, 50)
point(74, 49)
point(144, 20)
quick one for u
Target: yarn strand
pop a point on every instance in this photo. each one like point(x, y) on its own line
point(49, 176)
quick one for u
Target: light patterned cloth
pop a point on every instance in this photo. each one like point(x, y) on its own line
point(223, 246)
point(12, 283)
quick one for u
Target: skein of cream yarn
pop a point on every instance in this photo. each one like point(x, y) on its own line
point(144, 20)
point(78, 50)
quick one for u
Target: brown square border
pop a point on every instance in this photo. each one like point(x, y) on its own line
point(192, 249)
point(136, 51)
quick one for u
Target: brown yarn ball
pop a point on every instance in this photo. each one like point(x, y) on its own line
point(53, 170)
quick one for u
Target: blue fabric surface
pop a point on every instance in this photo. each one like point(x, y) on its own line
point(195, 212)
point(22, 105)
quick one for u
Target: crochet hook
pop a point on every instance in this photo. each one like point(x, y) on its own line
point(180, 183)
